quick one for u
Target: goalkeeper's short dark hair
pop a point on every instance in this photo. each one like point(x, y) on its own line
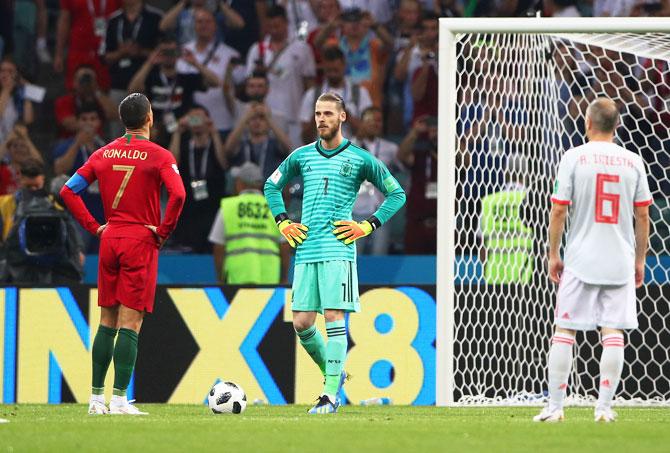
point(134, 110)
point(331, 96)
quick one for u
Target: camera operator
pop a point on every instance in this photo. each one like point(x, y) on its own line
point(41, 243)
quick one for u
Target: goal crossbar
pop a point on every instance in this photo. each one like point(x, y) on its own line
point(556, 25)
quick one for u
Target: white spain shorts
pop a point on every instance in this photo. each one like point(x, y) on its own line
point(583, 306)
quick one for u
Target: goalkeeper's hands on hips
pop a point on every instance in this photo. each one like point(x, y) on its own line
point(349, 231)
point(293, 232)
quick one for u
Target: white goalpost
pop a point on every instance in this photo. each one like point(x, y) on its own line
point(512, 96)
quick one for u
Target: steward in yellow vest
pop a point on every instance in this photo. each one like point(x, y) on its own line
point(508, 242)
point(247, 248)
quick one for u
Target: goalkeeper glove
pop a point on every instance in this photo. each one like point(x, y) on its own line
point(293, 232)
point(349, 231)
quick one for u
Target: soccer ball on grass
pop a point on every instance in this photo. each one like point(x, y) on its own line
point(227, 398)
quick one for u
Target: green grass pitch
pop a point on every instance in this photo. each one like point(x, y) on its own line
point(67, 427)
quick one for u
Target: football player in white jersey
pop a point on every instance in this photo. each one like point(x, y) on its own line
point(605, 186)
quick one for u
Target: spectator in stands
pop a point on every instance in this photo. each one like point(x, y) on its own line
point(366, 53)
point(379, 10)
point(424, 79)
point(413, 58)
point(406, 24)
point(258, 139)
point(405, 33)
point(561, 8)
point(290, 67)
point(327, 15)
point(16, 148)
point(369, 198)
point(301, 15)
point(198, 150)
point(132, 34)
point(652, 8)
point(28, 34)
point(256, 87)
point(85, 91)
point(41, 244)
point(215, 56)
point(659, 213)
point(6, 27)
point(41, 49)
point(448, 8)
point(14, 107)
point(657, 89)
point(418, 151)
point(82, 27)
point(507, 249)
point(254, 91)
point(356, 98)
point(247, 247)
point(71, 154)
point(170, 92)
point(250, 12)
point(181, 18)
point(614, 8)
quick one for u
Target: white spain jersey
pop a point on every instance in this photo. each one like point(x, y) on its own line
point(602, 182)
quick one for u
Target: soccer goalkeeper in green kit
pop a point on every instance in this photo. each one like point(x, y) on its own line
point(325, 278)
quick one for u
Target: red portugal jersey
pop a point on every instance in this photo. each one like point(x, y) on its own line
point(130, 171)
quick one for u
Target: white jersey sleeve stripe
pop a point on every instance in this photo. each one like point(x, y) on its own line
point(559, 201)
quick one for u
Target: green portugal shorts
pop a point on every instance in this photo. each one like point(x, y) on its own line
point(326, 285)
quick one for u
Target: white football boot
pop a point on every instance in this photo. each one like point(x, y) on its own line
point(605, 415)
point(549, 415)
point(96, 405)
point(119, 405)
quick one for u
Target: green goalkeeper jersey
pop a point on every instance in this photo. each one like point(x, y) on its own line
point(331, 180)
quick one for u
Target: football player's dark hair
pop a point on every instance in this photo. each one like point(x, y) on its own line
point(134, 111)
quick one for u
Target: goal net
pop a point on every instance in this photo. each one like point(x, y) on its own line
point(512, 101)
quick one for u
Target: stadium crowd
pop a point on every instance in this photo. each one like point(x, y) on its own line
point(235, 81)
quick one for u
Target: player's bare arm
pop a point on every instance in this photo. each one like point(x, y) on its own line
point(641, 242)
point(559, 212)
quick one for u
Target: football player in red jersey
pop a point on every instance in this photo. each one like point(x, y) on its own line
point(130, 171)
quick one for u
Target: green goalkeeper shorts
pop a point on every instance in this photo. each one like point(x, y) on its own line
point(326, 285)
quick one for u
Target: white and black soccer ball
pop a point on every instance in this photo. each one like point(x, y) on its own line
point(227, 398)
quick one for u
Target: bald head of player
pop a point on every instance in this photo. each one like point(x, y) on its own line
point(602, 118)
point(136, 114)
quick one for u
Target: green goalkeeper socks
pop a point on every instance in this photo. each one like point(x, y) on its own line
point(102, 351)
point(312, 341)
point(336, 354)
point(125, 353)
